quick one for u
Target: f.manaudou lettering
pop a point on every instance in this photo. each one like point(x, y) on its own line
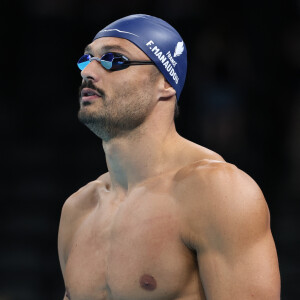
point(168, 63)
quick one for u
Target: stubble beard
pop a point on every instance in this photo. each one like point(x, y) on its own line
point(119, 114)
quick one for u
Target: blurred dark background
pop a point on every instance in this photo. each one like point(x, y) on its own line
point(241, 99)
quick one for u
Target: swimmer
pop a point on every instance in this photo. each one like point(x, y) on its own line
point(170, 219)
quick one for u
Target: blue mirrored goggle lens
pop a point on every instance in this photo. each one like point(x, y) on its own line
point(109, 61)
point(83, 61)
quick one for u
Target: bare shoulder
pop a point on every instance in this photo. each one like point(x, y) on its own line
point(225, 219)
point(200, 154)
point(73, 211)
point(83, 199)
point(217, 196)
point(214, 178)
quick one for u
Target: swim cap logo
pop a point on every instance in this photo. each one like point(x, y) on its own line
point(179, 49)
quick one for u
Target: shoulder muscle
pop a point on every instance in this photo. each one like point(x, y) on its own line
point(227, 222)
point(223, 203)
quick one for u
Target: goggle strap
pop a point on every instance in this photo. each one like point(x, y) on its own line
point(132, 62)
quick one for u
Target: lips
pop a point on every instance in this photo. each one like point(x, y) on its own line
point(88, 94)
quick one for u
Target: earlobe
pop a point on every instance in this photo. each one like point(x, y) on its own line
point(168, 91)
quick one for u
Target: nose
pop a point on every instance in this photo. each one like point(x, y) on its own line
point(91, 71)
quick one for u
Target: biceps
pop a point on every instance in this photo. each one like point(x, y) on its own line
point(248, 274)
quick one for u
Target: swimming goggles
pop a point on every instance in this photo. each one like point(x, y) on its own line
point(111, 61)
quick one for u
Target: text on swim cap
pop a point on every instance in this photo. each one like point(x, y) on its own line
point(174, 63)
point(167, 60)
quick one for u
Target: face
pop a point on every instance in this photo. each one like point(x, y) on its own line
point(112, 103)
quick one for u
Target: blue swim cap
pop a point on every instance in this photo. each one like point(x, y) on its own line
point(158, 40)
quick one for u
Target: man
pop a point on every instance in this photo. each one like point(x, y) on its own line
point(170, 219)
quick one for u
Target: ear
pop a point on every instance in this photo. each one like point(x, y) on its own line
point(166, 90)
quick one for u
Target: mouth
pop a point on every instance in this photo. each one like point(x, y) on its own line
point(88, 95)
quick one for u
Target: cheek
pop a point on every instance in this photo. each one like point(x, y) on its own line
point(123, 90)
point(133, 86)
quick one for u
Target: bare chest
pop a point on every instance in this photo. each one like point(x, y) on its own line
point(130, 250)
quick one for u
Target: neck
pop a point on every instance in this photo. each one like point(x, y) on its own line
point(145, 153)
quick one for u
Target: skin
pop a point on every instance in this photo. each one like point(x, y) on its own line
point(170, 219)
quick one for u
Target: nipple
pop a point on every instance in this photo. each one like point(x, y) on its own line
point(148, 282)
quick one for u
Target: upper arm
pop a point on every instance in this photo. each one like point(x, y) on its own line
point(64, 234)
point(230, 229)
point(72, 212)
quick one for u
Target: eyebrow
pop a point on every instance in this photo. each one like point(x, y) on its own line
point(107, 48)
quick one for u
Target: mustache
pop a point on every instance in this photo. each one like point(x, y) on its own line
point(89, 84)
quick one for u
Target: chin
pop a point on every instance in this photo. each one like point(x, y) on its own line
point(85, 116)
